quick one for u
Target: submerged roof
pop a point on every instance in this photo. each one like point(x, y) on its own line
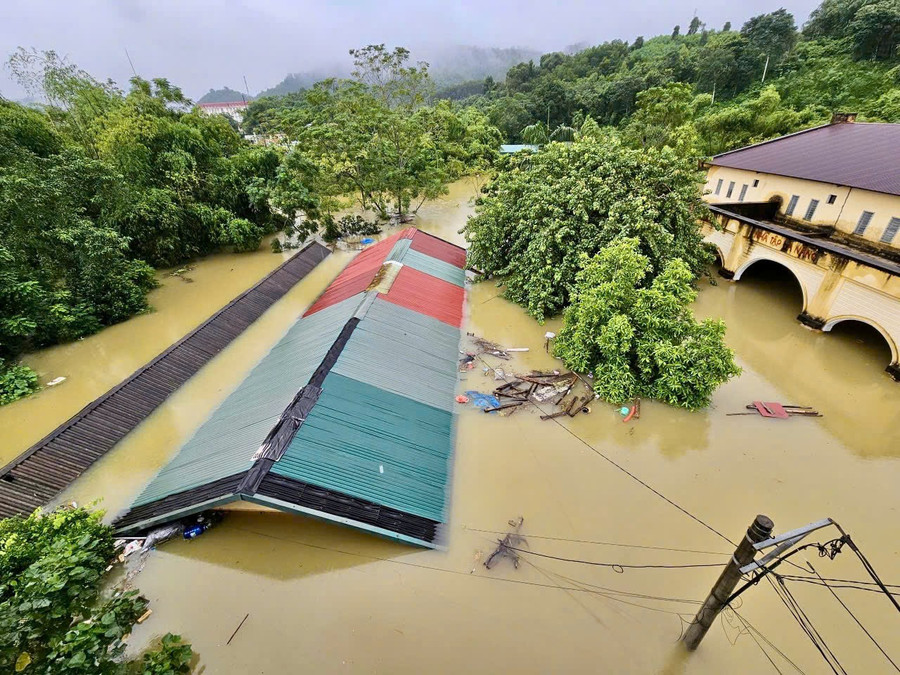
point(854, 154)
point(349, 417)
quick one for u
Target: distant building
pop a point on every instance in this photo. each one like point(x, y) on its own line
point(233, 109)
point(825, 203)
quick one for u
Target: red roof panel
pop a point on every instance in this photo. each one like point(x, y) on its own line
point(438, 248)
point(427, 295)
point(357, 276)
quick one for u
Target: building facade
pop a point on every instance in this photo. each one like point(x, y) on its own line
point(233, 109)
point(825, 203)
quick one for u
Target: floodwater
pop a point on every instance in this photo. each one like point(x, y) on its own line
point(321, 598)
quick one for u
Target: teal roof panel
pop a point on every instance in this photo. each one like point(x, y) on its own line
point(403, 352)
point(434, 267)
point(225, 443)
point(375, 445)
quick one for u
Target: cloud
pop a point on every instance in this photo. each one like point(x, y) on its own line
point(199, 44)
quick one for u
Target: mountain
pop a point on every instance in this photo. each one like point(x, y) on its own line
point(460, 63)
point(448, 66)
point(223, 95)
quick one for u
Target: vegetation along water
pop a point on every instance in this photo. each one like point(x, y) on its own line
point(129, 215)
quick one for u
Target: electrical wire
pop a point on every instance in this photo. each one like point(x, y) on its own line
point(762, 637)
point(806, 624)
point(615, 566)
point(626, 471)
point(816, 582)
point(607, 543)
point(859, 623)
point(604, 593)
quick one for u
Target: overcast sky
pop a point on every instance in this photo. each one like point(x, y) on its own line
point(199, 44)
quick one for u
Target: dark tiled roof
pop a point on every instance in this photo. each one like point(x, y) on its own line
point(859, 155)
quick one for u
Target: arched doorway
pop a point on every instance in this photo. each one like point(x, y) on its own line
point(775, 280)
point(867, 338)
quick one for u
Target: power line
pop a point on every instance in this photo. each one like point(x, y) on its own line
point(765, 639)
point(626, 471)
point(806, 624)
point(832, 580)
point(858, 622)
point(606, 543)
point(604, 593)
point(816, 582)
point(614, 566)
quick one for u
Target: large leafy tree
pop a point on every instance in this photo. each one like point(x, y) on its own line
point(55, 615)
point(634, 332)
point(543, 210)
point(376, 137)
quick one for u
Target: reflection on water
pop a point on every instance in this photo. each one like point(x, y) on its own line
point(322, 598)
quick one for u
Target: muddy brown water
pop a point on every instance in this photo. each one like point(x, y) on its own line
point(322, 598)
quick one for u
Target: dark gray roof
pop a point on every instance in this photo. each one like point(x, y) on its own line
point(859, 155)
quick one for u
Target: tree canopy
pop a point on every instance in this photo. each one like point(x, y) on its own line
point(543, 210)
point(56, 616)
point(633, 330)
point(845, 58)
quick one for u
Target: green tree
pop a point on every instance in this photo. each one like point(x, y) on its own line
point(544, 209)
point(55, 614)
point(676, 31)
point(634, 332)
point(770, 36)
point(875, 30)
point(694, 26)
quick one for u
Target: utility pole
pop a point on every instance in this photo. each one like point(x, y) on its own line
point(759, 530)
point(765, 68)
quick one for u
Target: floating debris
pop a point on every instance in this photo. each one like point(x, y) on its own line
point(56, 380)
point(777, 410)
point(506, 546)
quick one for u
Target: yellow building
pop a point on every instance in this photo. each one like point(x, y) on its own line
point(825, 203)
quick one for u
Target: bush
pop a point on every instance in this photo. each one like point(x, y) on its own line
point(54, 615)
point(16, 382)
point(635, 332)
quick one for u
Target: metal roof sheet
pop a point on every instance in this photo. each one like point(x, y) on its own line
point(379, 437)
point(428, 295)
point(369, 443)
point(224, 444)
point(438, 248)
point(435, 267)
point(854, 154)
point(404, 352)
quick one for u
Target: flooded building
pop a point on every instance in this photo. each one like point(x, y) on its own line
point(824, 203)
point(349, 417)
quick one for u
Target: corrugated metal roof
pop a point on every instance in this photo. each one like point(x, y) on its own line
point(853, 154)
point(435, 267)
point(374, 448)
point(369, 443)
point(225, 443)
point(404, 352)
point(429, 295)
point(438, 248)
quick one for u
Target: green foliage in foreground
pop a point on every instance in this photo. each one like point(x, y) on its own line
point(55, 616)
point(16, 381)
point(635, 333)
point(544, 210)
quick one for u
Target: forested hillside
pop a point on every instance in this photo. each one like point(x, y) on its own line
point(223, 95)
point(726, 86)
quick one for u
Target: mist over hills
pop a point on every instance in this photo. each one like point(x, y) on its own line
point(448, 65)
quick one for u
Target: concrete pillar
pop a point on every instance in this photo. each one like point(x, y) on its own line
point(740, 245)
point(818, 307)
